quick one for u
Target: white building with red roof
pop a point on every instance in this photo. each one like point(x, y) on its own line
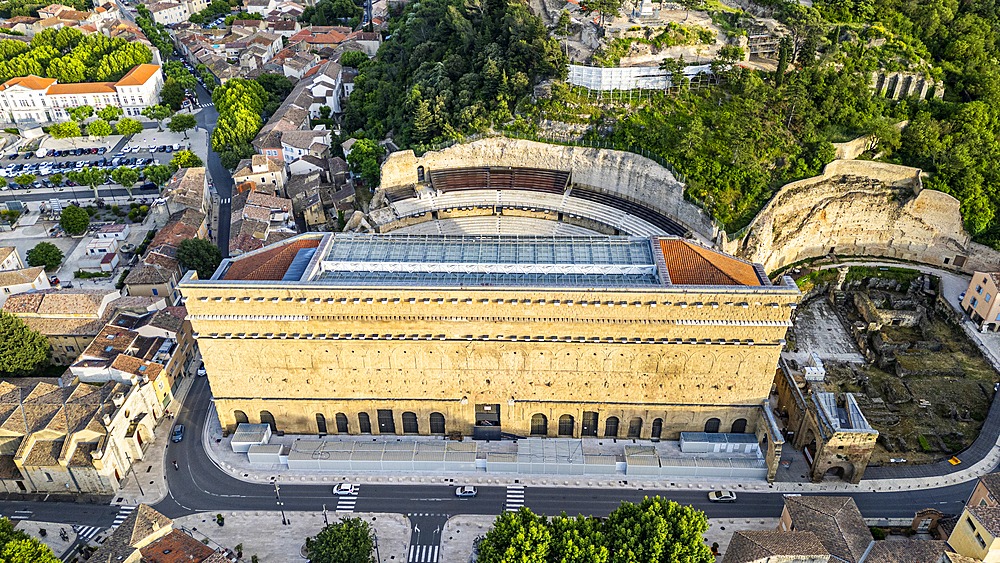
point(36, 99)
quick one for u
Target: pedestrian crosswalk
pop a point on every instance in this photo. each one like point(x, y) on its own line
point(346, 503)
point(21, 515)
point(86, 533)
point(408, 514)
point(123, 513)
point(515, 498)
point(423, 554)
point(225, 200)
point(209, 104)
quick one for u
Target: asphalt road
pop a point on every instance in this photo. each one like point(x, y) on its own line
point(221, 177)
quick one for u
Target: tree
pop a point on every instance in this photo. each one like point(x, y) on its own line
point(657, 530)
point(606, 8)
point(92, 177)
point(126, 177)
point(65, 130)
point(110, 113)
point(19, 547)
point(364, 160)
point(74, 220)
point(516, 536)
point(158, 175)
point(348, 541)
point(353, 59)
point(675, 70)
point(128, 126)
point(25, 180)
point(183, 122)
point(45, 254)
point(784, 53)
point(883, 135)
point(172, 94)
point(99, 128)
point(81, 113)
point(185, 159)
point(56, 178)
point(199, 254)
point(157, 113)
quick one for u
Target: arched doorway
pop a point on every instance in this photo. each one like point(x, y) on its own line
point(712, 425)
point(657, 429)
point(364, 423)
point(839, 472)
point(437, 423)
point(539, 425)
point(739, 426)
point(342, 423)
point(420, 173)
point(566, 424)
point(410, 423)
point(241, 417)
point(634, 427)
point(611, 427)
point(267, 418)
point(321, 423)
point(589, 424)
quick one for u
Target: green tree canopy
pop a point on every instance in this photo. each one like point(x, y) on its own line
point(110, 113)
point(158, 113)
point(128, 126)
point(74, 220)
point(517, 536)
point(126, 177)
point(99, 128)
point(183, 122)
point(172, 94)
point(364, 160)
point(92, 177)
point(45, 254)
point(159, 174)
point(353, 59)
point(65, 130)
point(23, 352)
point(185, 159)
point(347, 541)
point(199, 254)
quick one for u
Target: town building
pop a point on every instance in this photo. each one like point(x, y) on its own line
point(150, 537)
point(531, 336)
point(259, 218)
point(987, 491)
point(261, 170)
point(980, 300)
point(156, 347)
point(71, 318)
point(21, 280)
point(100, 255)
point(118, 231)
point(36, 99)
point(73, 438)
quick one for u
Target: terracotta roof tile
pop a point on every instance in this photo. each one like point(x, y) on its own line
point(906, 551)
point(691, 264)
point(139, 75)
point(836, 521)
point(268, 264)
point(33, 82)
point(18, 277)
point(176, 547)
point(754, 545)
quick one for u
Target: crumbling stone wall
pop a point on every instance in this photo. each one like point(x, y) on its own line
point(863, 208)
point(619, 172)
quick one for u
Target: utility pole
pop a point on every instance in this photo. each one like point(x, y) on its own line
point(377, 556)
point(132, 467)
point(281, 507)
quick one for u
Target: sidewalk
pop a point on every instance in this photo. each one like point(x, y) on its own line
point(150, 470)
point(263, 535)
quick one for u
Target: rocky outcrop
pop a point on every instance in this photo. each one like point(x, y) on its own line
point(621, 172)
point(866, 209)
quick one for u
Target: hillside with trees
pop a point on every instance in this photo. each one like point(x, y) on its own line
point(70, 56)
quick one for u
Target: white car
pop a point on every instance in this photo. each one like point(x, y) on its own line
point(467, 491)
point(722, 496)
point(344, 489)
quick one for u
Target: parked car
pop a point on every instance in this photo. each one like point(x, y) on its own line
point(722, 496)
point(344, 489)
point(201, 370)
point(178, 434)
point(467, 491)
point(102, 150)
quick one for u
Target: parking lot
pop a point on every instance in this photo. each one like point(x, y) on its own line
point(136, 156)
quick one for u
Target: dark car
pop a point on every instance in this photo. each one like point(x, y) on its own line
point(70, 183)
point(102, 150)
point(149, 186)
point(178, 434)
point(51, 152)
point(29, 155)
point(12, 157)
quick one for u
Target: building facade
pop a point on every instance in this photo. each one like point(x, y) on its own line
point(36, 99)
point(615, 337)
point(980, 301)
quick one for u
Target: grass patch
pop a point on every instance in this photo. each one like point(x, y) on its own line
point(812, 279)
point(923, 443)
point(902, 275)
point(81, 275)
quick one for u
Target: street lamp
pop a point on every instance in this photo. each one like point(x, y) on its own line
point(132, 467)
point(281, 506)
point(377, 556)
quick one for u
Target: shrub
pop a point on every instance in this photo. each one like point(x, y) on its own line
point(923, 443)
point(121, 279)
point(115, 209)
point(877, 533)
point(80, 274)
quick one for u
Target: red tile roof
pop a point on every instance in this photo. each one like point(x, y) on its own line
point(691, 264)
point(176, 547)
point(270, 264)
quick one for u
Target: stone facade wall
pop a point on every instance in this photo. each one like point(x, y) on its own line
point(620, 172)
point(449, 350)
point(862, 208)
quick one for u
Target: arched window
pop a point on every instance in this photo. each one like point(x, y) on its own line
point(386, 423)
point(241, 417)
point(268, 418)
point(634, 427)
point(437, 423)
point(565, 425)
point(589, 424)
point(420, 173)
point(712, 425)
point(342, 423)
point(611, 427)
point(539, 425)
point(320, 423)
point(410, 423)
point(364, 423)
point(657, 428)
point(739, 426)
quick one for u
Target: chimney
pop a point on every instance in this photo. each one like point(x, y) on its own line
point(107, 420)
point(118, 400)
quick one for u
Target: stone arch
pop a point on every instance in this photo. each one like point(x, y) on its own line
point(566, 425)
point(539, 360)
point(739, 426)
point(634, 427)
point(842, 471)
point(437, 423)
point(511, 360)
point(377, 358)
point(700, 363)
point(611, 427)
point(342, 426)
point(352, 358)
point(672, 364)
point(619, 360)
point(240, 417)
point(712, 425)
point(402, 358)
point(566, 360)
point(320, 423)
point(410, 425)
point(646, 363)
point(430, 359)
point(267, 418)
point(420, 174)
point(484, 360)
point(657, 429)
point(364, 423)
point(539, 425)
